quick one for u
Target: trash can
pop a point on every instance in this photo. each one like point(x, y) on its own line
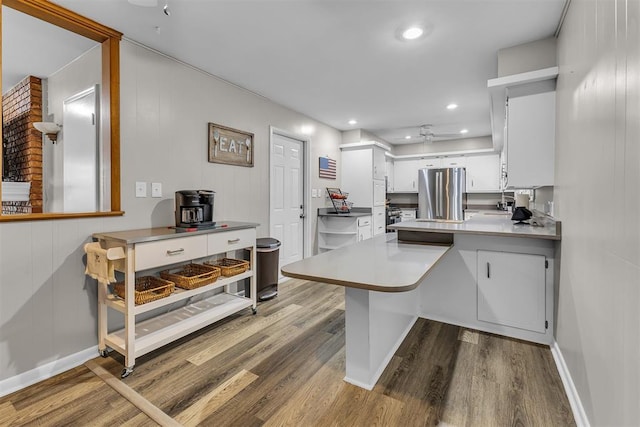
point(267, 271)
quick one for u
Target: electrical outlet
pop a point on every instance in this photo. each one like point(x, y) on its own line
point(141, 189)
point(156, 189)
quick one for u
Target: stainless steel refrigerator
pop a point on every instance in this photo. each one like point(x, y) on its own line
point(442, 194)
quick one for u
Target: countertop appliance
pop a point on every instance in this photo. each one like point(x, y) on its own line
point(442, 194)
point(194, 208)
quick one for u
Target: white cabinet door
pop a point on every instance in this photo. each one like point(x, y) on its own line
point(379, 192)
point(379, 166)
point(483, 173)
point(389, 170)
point(429, 163)
point(453, 162)
point(379, 220)
point(364, 228)
point(531, 140)
point(357, 173)
point(511, 289)
point(405, 176)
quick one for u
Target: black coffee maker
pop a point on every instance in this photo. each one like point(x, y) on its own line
point(194, 208)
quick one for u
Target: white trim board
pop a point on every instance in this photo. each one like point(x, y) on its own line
point(579, 415)
point(48, 370)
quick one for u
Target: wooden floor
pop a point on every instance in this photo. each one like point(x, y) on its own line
point(284, 366)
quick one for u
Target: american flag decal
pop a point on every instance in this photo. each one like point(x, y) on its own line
point(327, 168)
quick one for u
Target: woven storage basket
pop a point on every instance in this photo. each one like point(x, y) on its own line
point(229, 266)
point(192, 276)
point(148, 288)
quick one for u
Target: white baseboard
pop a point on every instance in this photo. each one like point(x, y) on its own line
point(569, 387)
point(25, 379)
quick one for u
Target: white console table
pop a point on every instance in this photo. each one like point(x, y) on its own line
point(158, 248)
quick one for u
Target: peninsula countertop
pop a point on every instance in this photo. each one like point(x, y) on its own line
point(377, 264)
point(487, 224)
point(162, 233)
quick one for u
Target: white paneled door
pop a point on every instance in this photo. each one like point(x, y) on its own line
point(287, 197)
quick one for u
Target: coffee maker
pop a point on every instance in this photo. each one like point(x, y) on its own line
point(194, 208)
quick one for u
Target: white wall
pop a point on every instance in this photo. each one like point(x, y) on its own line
point(525, 57)
point(464, 144)
point(47, 305)
point(596, 197)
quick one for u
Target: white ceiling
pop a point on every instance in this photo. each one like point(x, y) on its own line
point(334, 60)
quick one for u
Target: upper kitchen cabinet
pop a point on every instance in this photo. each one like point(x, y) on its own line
point(483, 173)
point(523, 126)
point(379, 165)
point(530, 147)
point(405, 175)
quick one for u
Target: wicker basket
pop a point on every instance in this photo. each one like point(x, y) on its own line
point(192, 276)
point(148, 288)
point(229, 266)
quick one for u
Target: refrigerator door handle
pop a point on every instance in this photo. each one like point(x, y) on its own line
point(438, 194)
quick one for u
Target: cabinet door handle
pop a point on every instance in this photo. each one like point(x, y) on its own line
point(488, 271)
point(230, 241)
point(175, 251)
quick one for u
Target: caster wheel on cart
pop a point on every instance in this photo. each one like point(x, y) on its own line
point(126, 372)
point(104, 353)
point(254, 310)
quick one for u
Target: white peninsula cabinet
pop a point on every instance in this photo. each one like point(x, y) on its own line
point(146, 252)
point(511, 289)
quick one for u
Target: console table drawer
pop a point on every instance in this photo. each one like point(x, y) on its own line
point(231, 240)
point(165, 252)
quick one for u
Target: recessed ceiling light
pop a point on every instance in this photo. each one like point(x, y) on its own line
point(464, 131)
point(353, 121)
point(407, 137)
point(412, 33)
point(452, 106)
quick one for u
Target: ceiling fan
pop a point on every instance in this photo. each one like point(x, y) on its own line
point(151, 3)
point(427, 134)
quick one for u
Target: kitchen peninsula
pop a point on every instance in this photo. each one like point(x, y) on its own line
point(485, 273)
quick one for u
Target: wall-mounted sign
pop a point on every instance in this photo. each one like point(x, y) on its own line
point(230, 146)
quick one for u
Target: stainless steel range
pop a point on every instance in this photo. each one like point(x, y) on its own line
point(394, 215)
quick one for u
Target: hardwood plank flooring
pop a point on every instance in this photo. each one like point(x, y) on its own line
point(285, 367)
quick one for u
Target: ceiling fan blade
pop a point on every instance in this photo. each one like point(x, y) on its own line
point(445, 135)
point(144, 3)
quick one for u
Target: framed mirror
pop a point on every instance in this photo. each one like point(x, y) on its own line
point(61, 109)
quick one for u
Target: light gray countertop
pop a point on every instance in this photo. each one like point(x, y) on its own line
point(488, 224)
point(162, 233)
point(377, 264)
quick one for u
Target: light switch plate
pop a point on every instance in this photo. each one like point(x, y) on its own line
point(141, 189)
point(156, 189)
point(314, 193)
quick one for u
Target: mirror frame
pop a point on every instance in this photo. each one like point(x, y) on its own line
point(110, 89)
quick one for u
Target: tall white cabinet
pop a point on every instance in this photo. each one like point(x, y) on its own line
point(363, 173)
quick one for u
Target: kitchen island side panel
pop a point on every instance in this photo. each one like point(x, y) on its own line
point(449, 293)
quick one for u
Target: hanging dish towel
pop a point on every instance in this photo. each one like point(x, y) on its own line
point(98, 265)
